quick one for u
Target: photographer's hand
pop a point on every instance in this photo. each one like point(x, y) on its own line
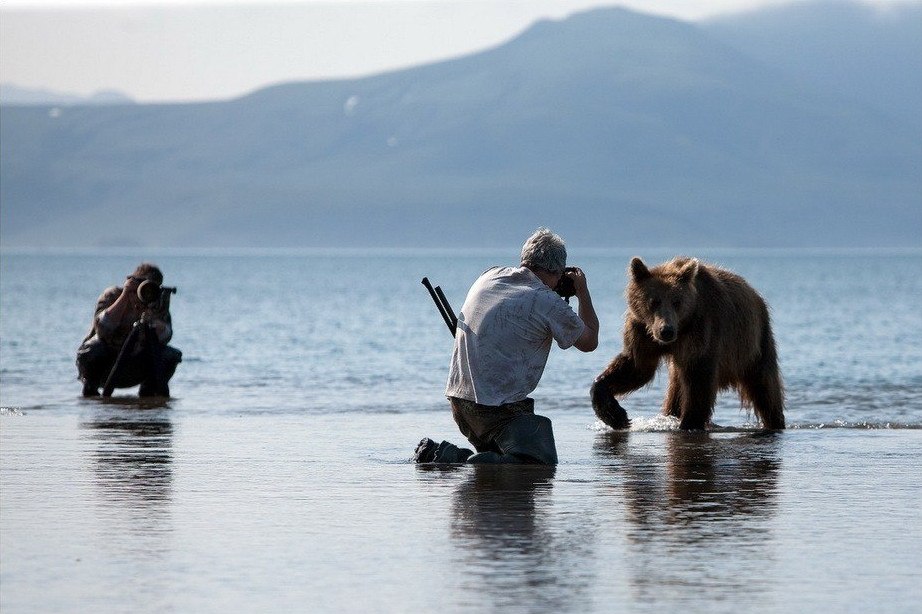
point(131, 285)
point(579, 282)
point(125, 303)
point(589, 340)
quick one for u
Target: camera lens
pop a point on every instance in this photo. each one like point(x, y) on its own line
point(148, 292)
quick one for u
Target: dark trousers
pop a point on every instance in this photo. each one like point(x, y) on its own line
point(152, 367)
point(510, 433)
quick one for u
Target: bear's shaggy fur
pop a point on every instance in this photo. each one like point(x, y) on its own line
point(713, 330)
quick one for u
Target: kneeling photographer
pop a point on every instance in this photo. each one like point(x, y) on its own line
point(127, 344)
point(503, 336)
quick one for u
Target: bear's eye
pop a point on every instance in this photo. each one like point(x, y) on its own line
point(655, 303)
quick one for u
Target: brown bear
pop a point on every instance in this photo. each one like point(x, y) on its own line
point(713, 330)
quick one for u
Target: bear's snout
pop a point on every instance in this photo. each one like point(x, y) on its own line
point(667, 334)
point(663, 330)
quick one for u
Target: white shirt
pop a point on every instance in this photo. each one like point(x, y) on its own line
point(504, 336)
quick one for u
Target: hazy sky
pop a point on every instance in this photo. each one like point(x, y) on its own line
point(169, 50)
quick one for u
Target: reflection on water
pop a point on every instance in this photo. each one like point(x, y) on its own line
point(693, 513)
point(153, 510)
point(132, 463)
point(698, 512)
point(504, 522)
point(495, 507)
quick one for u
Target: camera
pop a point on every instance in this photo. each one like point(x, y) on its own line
point(565, 287)
point(150, 292)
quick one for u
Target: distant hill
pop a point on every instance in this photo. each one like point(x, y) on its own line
point(11, 94)
point(612, 127)
point(870, 53)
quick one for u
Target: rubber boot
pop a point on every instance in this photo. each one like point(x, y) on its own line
point(529, 438)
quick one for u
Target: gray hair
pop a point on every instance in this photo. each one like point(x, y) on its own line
point(545, 250)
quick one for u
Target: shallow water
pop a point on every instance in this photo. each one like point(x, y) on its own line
point(277, 477)
point(145, 509)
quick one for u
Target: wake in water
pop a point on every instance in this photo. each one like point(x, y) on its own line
point(665, 424)
point(844, 424)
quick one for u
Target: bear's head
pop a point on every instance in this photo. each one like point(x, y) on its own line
point(664, 297)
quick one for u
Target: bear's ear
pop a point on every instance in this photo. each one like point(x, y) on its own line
point(689, 270)
point(639, 270)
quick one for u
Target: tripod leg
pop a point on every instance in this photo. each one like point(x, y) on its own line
point(123, 355)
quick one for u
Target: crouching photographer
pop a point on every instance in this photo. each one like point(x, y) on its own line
point(127, 344)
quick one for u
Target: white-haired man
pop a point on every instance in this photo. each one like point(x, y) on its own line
point(505, 330)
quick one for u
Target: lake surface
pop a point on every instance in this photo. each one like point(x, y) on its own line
point(277, 477)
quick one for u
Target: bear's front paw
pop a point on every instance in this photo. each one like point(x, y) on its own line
point(607, 408)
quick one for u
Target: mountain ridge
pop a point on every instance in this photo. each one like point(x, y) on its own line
point(608, 126)
point(15, 95)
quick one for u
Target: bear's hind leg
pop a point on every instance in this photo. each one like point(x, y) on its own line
point(763, 388)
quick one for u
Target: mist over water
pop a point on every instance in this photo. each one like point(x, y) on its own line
point(277, 475)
